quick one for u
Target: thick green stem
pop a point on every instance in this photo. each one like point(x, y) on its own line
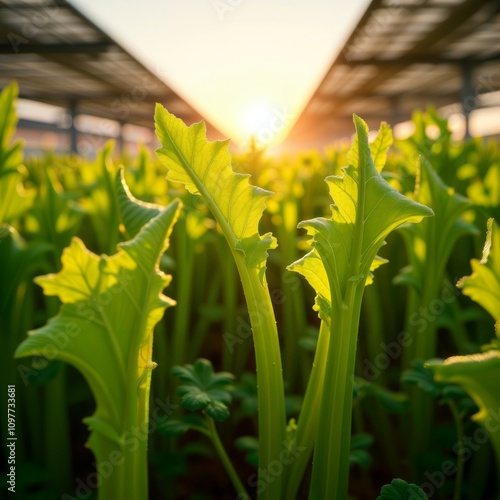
point(294, 320)
point(461, 450)
point(183, 309)
point(56, 435)
point(330, 475)
point(422, 329)
point(129, 477)
point(56, 427)
point(373, 311)
point(271, 398)
point(226, 461)
point(307, 425)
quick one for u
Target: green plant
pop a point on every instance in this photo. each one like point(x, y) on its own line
point(428, 246)
point(205, 391)
point(483, 285)
point(478, 374)
point(401, 490)
point(14, 200)
point(344, 250)
point(205, 169)
point(104, 329)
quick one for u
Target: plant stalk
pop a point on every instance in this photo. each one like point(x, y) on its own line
point(226, 461)
point(307, 425)
point(330, 475)
point(271, 396)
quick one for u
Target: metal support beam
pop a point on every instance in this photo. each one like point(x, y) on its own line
point(405, 60)
point(56, 48)
point(73, 132)
point(120, 139)
point(469, 99)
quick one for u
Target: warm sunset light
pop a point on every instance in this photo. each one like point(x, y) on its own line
point(235, 55)
point(264, 122)
point(194, 198)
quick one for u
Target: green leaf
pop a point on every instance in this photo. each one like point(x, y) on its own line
point(365, 206)
point(478, 375)
point(204, 390)
point(359, 454)
point(485, 191)
point(134, 213)
point(401, 490)
point(104, 329)
point(381, 145)
point(176, 428)
point(205, 168)
point(430, 243)
point(250, 446)
point(483, 285)
point(18, 260)
point(394, 402)
point(103, 199)
point(246, 391)
point(173, 428)
point(424, 378)
point(366, 209)
point(58, 217)
point(11, 155)
point(311, 267)
point(14, 200)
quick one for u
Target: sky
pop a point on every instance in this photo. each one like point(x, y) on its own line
point(248, 66)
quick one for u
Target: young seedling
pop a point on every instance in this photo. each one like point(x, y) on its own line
point(401, 490)
point(206, 391)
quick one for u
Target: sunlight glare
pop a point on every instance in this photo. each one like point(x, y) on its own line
point(262, 120)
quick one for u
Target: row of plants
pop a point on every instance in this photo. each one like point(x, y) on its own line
point(345, 386)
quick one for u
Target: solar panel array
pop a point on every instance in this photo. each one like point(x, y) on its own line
point(58, 56)
point(406, 54)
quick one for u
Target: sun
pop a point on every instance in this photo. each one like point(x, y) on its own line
point(263, 121)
